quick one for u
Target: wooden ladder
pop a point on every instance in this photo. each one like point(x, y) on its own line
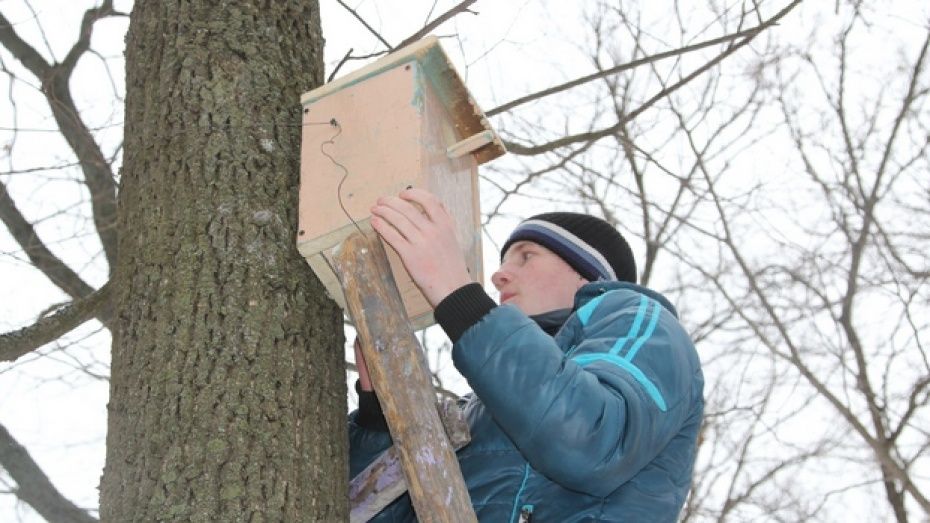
point(400, 376)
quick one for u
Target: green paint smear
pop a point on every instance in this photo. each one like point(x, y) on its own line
point(441, 75)
point(417, 101)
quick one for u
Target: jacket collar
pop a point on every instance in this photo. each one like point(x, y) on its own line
point(552, 321)
point(592, 290)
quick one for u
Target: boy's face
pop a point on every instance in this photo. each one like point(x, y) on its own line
point(535, 279)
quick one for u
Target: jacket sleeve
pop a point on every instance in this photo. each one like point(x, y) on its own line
point(368, 439)
point(368, 432)
point(365, 444)
point(590, 419)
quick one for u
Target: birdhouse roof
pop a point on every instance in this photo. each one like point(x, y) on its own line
point(467, 117)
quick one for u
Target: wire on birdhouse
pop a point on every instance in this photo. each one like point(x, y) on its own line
point(345, 172)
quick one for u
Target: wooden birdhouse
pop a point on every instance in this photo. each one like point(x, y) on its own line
point(404, 120)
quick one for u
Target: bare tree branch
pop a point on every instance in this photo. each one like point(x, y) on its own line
point(530, 150)
point(620, 68)
point(846, 317)
point(98, 176)
point(34, 487)
point(45, 330)
point(529, 178)
point(40, 256)
point(881, 451)
point(370, 28)
point(462, 7)
point(339, 65)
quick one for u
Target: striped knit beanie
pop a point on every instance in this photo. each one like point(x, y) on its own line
point(589, 245)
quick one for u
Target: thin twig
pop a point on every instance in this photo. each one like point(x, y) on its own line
point(370, 28)
point(339, 65)
point(462, 7)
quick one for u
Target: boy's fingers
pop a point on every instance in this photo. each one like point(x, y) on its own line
point(411, 212)
point(399, 219)
point(390, 234)
point(427, 201)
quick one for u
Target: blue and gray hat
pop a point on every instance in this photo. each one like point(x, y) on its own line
point(591, 246)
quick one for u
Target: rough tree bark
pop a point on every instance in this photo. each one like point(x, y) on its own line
point(228, 387)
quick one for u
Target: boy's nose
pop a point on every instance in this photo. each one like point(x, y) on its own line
point(500, 278)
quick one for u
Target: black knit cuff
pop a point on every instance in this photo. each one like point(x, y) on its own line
point(369, 414)
point(462, 309)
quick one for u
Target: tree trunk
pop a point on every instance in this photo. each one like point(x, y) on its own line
point(228, 384)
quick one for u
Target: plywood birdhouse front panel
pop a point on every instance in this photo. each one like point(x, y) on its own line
point(405, 120)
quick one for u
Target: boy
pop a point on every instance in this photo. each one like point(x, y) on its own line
point(587, 391)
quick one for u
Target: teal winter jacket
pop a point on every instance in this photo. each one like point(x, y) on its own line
point(598, 423)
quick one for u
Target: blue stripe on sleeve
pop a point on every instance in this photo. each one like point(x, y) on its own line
point(656, 309)
point(628, 366)
point(585, 312)
point(634, 328)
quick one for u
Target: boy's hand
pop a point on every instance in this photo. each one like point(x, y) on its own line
point(418, 227)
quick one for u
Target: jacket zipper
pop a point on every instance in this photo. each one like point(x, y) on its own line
point(568, 353)
point(518, 517)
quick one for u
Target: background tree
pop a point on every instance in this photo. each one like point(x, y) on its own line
point(781, 199)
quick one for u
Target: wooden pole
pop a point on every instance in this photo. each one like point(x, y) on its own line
point(400, 376)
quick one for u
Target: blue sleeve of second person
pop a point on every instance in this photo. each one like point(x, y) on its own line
point(364, 446)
